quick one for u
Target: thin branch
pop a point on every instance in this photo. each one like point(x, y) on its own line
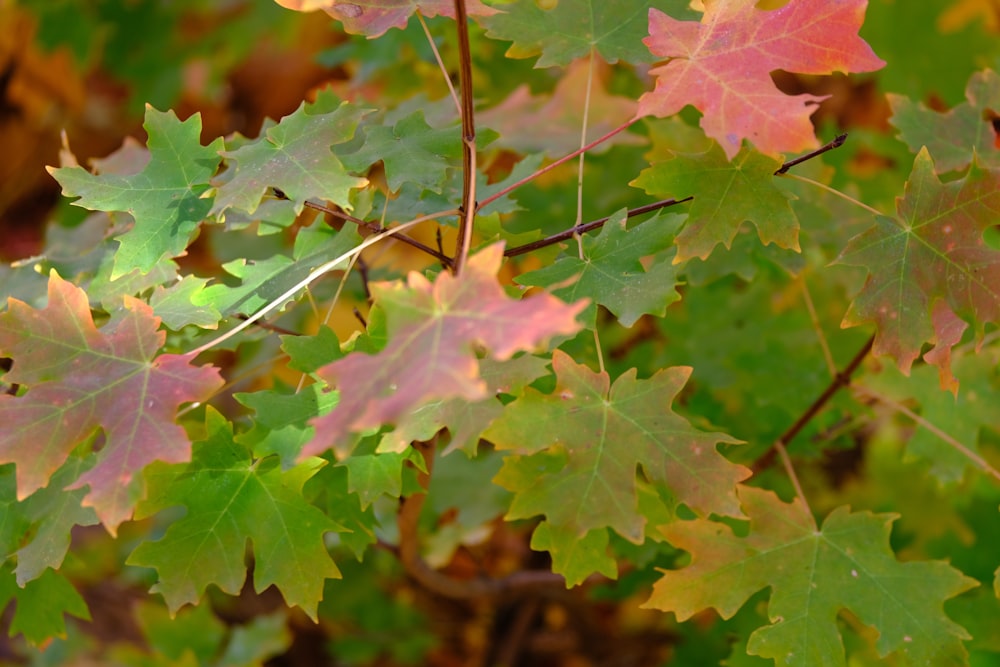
point(840, 380)
point(836, 143)
point(962, 449)
point(407, 521)
point(469, 204)
point(581, 229)
point(527, 179)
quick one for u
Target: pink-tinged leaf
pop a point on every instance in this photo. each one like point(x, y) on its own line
point(80, 379)
point(930, 270)
point(374, 17)
point(814, 574)
point(722, 66)
point(434, 330)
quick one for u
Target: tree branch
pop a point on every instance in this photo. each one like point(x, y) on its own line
point(468, 141)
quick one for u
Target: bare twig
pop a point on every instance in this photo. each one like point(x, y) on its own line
point(836, 143)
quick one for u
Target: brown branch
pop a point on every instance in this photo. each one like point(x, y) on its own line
point(468, 140)
point(829, 146)
point(586, 227)
point(456, 589)
point(840, 380)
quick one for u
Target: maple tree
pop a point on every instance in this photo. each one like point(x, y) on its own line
point(524, 311)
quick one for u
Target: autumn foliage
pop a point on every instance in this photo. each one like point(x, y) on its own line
point(569, 332)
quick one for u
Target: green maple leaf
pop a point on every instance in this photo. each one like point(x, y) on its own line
point(594, 436)
point(280, 424)
point(571, 29)
point(166, 198)
point(296, 157)
point(929, 266)
point(413, 152)
point(575, 557)
point(175, 304)
point(610, 273)
point(42, 605)
point(953, 137)
point(82, 379)
point(232, 498)
point(52, 513)
point(434, 330)
point(726, 194)
point(814, 574)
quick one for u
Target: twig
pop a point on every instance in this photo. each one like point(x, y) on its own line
point(468, 141)
point(829, 146)
point(582, 229)
point(840, 380)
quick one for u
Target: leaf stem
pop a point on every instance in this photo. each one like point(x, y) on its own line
point(594, 224)
point(440, 62)
point(790, 470)
point(962, 449)
point(834, 191)
point(469, 204)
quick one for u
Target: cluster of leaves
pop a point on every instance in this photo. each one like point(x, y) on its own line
point(640, 412)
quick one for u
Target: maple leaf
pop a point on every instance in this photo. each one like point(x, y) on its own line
point(411, 150)
point(42, 605)
point(722, 67)
point(433, 332)
point(953, 137)
point(232, 498)
point(569, 29)
point(81, 379)
point(814, 574)
point(165, 198)
point(374, 17)
point(610, 273)
point(601, 434)
point(929, 266)
point(726, 193)
point(295, 156)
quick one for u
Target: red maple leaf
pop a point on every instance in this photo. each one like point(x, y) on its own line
point(722, 67)
point(434, 331)
point(80, 379)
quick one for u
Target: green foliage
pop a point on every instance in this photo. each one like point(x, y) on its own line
point(241, 381)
